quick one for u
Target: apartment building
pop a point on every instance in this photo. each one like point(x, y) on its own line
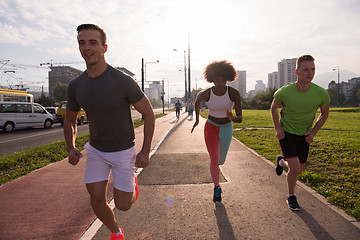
point(61, 74)
point(273, 80)
point(240, 83)
point(286, 70)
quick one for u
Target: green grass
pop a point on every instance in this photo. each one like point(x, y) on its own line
point(333, 167)
point(21, 163)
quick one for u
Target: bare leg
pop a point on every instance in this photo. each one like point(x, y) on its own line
point(100, 206)
point(123, 200)
point(295, 169)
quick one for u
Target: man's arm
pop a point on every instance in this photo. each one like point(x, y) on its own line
point(144, 107)
point(276, 119)
point(324, 114)
point(70, 132)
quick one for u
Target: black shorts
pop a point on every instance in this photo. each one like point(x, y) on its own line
point(294, 146)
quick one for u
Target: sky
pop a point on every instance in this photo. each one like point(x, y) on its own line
point(252, 34)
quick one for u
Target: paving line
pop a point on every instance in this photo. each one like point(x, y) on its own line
point(96, 225)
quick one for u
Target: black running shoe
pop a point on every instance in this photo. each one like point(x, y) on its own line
point(293, 204)
point(279, 169)
point(217, 194)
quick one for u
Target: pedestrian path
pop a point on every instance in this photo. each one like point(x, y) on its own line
point(175, 199)
point(52, 202)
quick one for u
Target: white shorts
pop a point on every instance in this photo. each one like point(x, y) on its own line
point(121, 163)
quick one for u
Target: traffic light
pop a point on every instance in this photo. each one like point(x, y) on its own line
point(162, 98)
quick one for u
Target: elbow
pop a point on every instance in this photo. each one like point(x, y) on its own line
point(149, 116)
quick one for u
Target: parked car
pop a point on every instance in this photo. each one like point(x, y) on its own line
point(53, 112)
point(81, 118)
point(16, 115)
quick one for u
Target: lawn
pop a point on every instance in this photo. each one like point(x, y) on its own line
point(333, 167)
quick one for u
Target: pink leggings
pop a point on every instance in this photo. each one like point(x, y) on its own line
point(217, 138)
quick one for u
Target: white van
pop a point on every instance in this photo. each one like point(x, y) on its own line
point(53, 112)
point(23, 115)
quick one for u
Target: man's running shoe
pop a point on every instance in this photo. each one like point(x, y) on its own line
point(292, 202)
point(136, 189)
point(279, 169)
point(217, 194)
point(114, 236)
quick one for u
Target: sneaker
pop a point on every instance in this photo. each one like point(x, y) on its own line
point(136, 189)
point(217, 194)
point(292, 202)
point(114, 236)
point(279, 169)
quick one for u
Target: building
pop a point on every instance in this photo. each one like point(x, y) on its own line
point(61, 74)
point(286, 70)
point(251, 94)
point(240, 83)
point(64, 74)
point(124, 70)
point(273, 80)
point(260, 86)
point(154, 90)
point(152, 93)
point(347, 88)
point(175, 99)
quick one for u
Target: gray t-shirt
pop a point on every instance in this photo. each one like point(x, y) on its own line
point(106, 100)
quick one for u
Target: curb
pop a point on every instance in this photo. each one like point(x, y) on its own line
point(321, 198)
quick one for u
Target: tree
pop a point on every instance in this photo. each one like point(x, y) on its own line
point(333, 96)
point(155, 103)
point(60, 92)
point(193, 95)
point(262, 100)
point(45, 101)
point(357, 97)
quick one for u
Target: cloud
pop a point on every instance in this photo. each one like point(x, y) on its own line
point(254, 35)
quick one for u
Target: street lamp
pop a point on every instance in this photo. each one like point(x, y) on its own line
point(143, 72)
point(338, 69)
point(186, 95)
point(162, 95)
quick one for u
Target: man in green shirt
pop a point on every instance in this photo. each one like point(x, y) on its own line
point(299, 102)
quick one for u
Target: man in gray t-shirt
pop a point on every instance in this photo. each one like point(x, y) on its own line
point(106, 100)
point(106, 95)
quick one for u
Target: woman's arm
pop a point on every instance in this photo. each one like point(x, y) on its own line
point(202, 96)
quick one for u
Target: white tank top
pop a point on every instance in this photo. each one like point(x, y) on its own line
point(219, 105)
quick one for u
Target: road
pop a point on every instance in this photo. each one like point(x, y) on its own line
point(24, 139)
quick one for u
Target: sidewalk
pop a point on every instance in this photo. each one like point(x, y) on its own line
point(52, 202)
point(175, 199)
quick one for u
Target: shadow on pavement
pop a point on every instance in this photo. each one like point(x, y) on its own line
point(225, 229)
point(178, 124)
point(318, 231)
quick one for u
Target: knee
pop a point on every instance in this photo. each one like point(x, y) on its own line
point(295, 170)
point(123, 206)
point(97, 203)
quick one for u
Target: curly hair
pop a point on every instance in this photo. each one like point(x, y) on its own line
point(222, 68)
point(88, 26)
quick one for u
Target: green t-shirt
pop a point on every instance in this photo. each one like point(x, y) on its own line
point(299, 107)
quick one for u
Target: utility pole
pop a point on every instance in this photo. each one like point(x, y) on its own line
point(142, 75)
point(162, 96)
point(189, 72)
point(186, 95)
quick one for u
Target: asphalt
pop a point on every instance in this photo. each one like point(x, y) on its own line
point(175, 199)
